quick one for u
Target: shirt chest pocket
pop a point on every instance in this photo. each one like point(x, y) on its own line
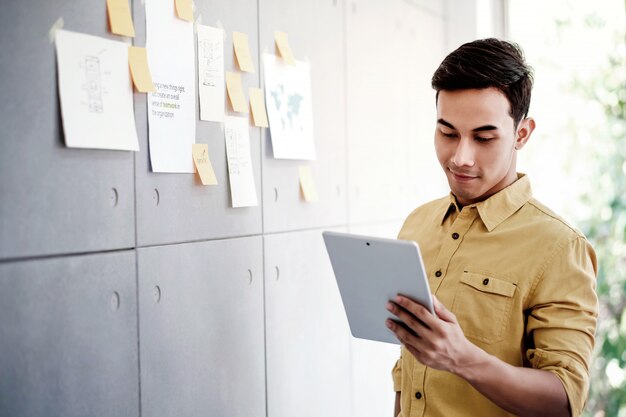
point(482, 304)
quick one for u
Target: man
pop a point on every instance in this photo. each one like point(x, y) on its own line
point(518, 283)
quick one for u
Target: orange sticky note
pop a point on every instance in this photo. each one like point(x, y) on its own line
point(139, 70)
point(235, 92)
point(120, 19)
point(203, 165)
point(257, 104)
point(282, 44)
point(307, 184)
point(184, 10)
point(242, 51)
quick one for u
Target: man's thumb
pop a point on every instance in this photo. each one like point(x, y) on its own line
point(442, 312)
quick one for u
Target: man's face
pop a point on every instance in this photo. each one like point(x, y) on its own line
point(476, 142)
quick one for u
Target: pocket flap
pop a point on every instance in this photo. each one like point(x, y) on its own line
point(489, 284)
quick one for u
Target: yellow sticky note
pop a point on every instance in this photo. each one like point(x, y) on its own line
point(257, 103)
point(235, 92)
point(138, 61)
point(307, 184)
point(282, 44)
point(120, 18)
point(203, 165)
point(184, 10)
point(242, 51)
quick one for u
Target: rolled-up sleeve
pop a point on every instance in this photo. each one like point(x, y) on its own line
point(396, 374)
point(562, 316)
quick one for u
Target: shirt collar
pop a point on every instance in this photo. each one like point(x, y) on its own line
point(499, 206)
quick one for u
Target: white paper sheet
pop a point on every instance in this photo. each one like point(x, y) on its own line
point(172, 108)
point(289, 108)
point(96, 92)
point(211, 73)
point(240, 169)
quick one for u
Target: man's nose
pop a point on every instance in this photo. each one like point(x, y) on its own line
point(464, 154)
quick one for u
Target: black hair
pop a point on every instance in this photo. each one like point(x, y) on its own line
point(488, 63)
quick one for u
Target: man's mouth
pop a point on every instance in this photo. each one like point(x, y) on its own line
point(461, 176)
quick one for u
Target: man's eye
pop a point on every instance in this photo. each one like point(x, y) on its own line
point(482, 140)
point(449, 135)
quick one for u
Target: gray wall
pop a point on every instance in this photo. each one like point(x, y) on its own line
point(125, 292)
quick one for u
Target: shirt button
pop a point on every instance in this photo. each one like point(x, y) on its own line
point(418, 395)
point(485, 281)
point(455, 236)
point(438, 273)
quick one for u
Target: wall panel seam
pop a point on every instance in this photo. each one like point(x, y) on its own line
point(138, 330)
point(62, 255)
point(345, 108)
point(258, 28)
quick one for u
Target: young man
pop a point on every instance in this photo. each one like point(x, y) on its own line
point(518, 283)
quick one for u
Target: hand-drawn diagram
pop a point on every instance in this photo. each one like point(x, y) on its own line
point(211, 73)
point(95, 92)
point(289, 108)
point(93, 84)
point(236, 149)
point(290, 112)
point(212, 54)
point(240, 169)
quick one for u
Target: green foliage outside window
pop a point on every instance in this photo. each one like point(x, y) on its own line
point(605, 227)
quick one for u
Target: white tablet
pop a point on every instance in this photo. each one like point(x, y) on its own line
point(370, 271)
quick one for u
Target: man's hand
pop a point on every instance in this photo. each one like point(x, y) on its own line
point(437, 342)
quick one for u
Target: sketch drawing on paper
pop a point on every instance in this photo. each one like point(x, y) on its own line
point(289, 108)
point(239, 158)
point(212, 54)
point(211, 73)
point(237, 161)
point(95, 92)
point(290, 111)
point(93, 84)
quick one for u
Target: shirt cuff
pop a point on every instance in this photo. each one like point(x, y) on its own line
point(396, 374)
point(573, 376)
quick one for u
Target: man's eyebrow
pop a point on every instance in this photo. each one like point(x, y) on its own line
point(443, 122)
point(485, 127)
point(478, 129)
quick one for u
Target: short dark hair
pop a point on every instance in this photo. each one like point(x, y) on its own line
point(488, 63)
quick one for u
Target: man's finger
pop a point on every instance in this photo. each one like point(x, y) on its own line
point(442, 312)
point(417, 310)
point(403, 334)
point(412, 322)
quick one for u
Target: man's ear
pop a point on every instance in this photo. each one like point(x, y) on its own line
point(524, 130)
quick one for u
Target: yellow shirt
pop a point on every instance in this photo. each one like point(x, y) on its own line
point(522, 285)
